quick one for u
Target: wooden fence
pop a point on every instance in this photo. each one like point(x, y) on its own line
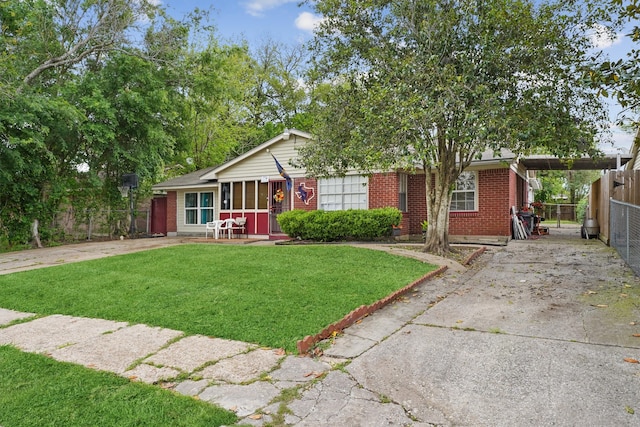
point(623, 186)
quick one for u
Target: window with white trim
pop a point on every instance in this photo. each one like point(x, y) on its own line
point(342, 193)
point(465, 194)
point(198, 208)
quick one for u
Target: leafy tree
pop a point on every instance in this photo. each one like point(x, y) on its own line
point(620, 78)
point(276, 98)
point(214, 86)
point(45, 48)
point(574, 184)
point(438, 82)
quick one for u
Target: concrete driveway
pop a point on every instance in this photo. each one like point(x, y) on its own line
point(12, 262)
point(537, 333)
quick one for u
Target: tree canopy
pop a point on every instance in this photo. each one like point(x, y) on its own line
point(95, 89)
point(433, 84)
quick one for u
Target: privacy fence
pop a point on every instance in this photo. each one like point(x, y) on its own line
point(554, 213)
point(99, 224)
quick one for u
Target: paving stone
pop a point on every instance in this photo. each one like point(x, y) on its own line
point(299, 369)
point(242, 399)
point(151, 374)
point(349, 346)
point(191, 388)
point(191, 352)
point(47, 334)
point(243, 367)
point(8, 316)
point(117, 351)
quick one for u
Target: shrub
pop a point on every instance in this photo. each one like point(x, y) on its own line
point(329, 226)
point(581, 209)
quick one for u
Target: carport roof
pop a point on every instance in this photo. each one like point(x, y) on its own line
point(545, 162)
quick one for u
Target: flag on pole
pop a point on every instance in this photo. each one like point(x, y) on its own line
point(283, 173)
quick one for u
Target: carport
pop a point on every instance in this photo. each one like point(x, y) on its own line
point(599, 195)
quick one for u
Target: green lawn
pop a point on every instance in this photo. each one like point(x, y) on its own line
point(39, 392)
point(269, 295)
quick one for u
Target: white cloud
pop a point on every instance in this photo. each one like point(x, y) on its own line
point(602, 38)
point(258, 7)
point(307, 21)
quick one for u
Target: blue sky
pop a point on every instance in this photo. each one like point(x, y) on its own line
point(253, 20)
point(286, 21)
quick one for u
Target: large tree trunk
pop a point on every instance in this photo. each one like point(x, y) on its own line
point(36, 233)
point(438, 201)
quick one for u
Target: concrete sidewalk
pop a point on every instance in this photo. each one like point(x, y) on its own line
point(13, 262)
point(533, 334)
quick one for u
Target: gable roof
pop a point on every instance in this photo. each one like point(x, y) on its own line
point(286, 135)
point(208, 176)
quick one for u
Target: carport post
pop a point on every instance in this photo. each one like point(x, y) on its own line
point(558, 215)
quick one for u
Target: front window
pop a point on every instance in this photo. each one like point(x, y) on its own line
point(198, 208)
point(465, 193)
point(349, 192)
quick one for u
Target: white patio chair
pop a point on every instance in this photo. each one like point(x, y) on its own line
point(241, 223)
point(227, 226)
point(214, 226)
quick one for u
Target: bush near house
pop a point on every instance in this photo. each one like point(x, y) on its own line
point(331, 226)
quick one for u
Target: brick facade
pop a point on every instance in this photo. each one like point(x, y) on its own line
point(309, 183)
point(498, 190)
point(172, 212)
point(417, 203)
point(492, 217)
point(383, 190)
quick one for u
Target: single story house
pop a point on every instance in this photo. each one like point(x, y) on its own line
point(252, 187)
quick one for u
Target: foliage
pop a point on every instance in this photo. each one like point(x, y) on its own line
point(331, 226)
point(619, 78)
point(92, 90)
point(581, 209)
point(574, 185)
point(200, 289)
point(47, 392)
point(437, 83)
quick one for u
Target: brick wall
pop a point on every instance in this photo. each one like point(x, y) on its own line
point(417, 203)
point(497, 191)
point(494, 199)
point(383, 190)
point(172, 212)
point(311, 183)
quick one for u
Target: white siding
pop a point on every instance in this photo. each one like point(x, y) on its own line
point(181, 227)
point(261, 163)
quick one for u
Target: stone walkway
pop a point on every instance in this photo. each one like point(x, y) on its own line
point(228, 373)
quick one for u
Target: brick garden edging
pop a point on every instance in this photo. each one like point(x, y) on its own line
point(305, 344)
point(474, 255)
